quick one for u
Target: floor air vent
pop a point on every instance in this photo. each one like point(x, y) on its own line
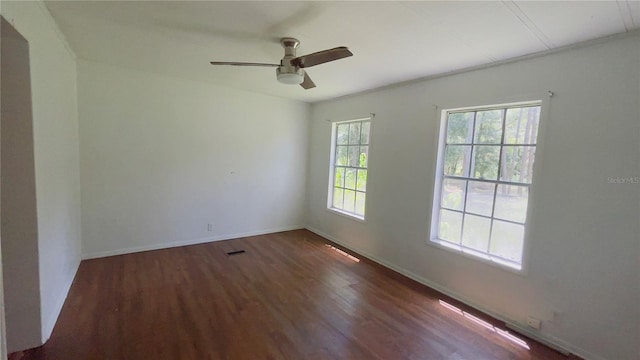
point(237, 252)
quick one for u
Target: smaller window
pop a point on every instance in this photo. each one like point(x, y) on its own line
point(349, 167)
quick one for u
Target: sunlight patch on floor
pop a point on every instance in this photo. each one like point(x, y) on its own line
point(486, 325)
point(343, 253)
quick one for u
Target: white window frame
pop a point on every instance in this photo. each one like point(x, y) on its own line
point(440, 176)
point(332, 166)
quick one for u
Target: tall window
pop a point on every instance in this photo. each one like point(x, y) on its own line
point(482, 187)
point(349, 163)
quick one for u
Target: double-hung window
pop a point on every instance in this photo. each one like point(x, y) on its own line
point(485, 168)
point(349, 167)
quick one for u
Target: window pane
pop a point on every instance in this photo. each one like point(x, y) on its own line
point(350, 161)
point(360, 200)
point(364, 156)
point(343, 134)
point(483, 148)
point(521, 126)
point(338, 195)
point(507, 240)
point(350, 179)
point(364, 132)
point(476, 232)
point(480, 198)
point(349, 200)
point(354, 133)
point(517, 164)
point(488, 127)
point(457, 159)
point(511, 202)
point(485, 162)
point(459, 128)
point(338, 177)
point(342, 155)
point(361, 183)
point(450, 226)
point(354, 156)
point(453, 194)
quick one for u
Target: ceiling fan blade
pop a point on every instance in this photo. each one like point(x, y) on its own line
point(321, 57)
point(242, 64)
point(307, 83)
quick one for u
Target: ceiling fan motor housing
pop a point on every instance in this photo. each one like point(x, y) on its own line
point(288, 73)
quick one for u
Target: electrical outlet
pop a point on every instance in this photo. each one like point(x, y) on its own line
point(209, 227)
point(533, 322)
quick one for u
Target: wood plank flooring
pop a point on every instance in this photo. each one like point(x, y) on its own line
point(289, 296)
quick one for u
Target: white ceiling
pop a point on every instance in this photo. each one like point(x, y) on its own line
point(392, 41)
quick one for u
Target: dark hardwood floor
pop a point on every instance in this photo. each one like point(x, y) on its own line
point(289, 296)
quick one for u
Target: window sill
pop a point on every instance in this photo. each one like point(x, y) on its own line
point(480, 257)
point(347, 215)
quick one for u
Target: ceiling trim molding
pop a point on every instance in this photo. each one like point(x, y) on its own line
point(582, 44)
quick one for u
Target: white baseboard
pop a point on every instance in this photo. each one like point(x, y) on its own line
point(135, 249)
point(551, 341)
point(49, 323)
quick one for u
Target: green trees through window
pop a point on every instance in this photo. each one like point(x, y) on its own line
point(349, 168)
point(488, 158)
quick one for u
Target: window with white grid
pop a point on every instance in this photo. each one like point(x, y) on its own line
point(485, 171)
point(349, 167)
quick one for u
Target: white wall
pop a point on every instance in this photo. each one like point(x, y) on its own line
point(56, 146)
point(583, 255)
point(162, 157)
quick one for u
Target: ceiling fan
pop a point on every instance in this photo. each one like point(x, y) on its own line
point(290, 70)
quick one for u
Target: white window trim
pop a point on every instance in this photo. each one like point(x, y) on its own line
point(330, 208)
point(346, 214)
point(433, 239)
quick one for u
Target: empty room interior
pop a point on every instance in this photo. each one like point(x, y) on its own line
point(320, 180)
